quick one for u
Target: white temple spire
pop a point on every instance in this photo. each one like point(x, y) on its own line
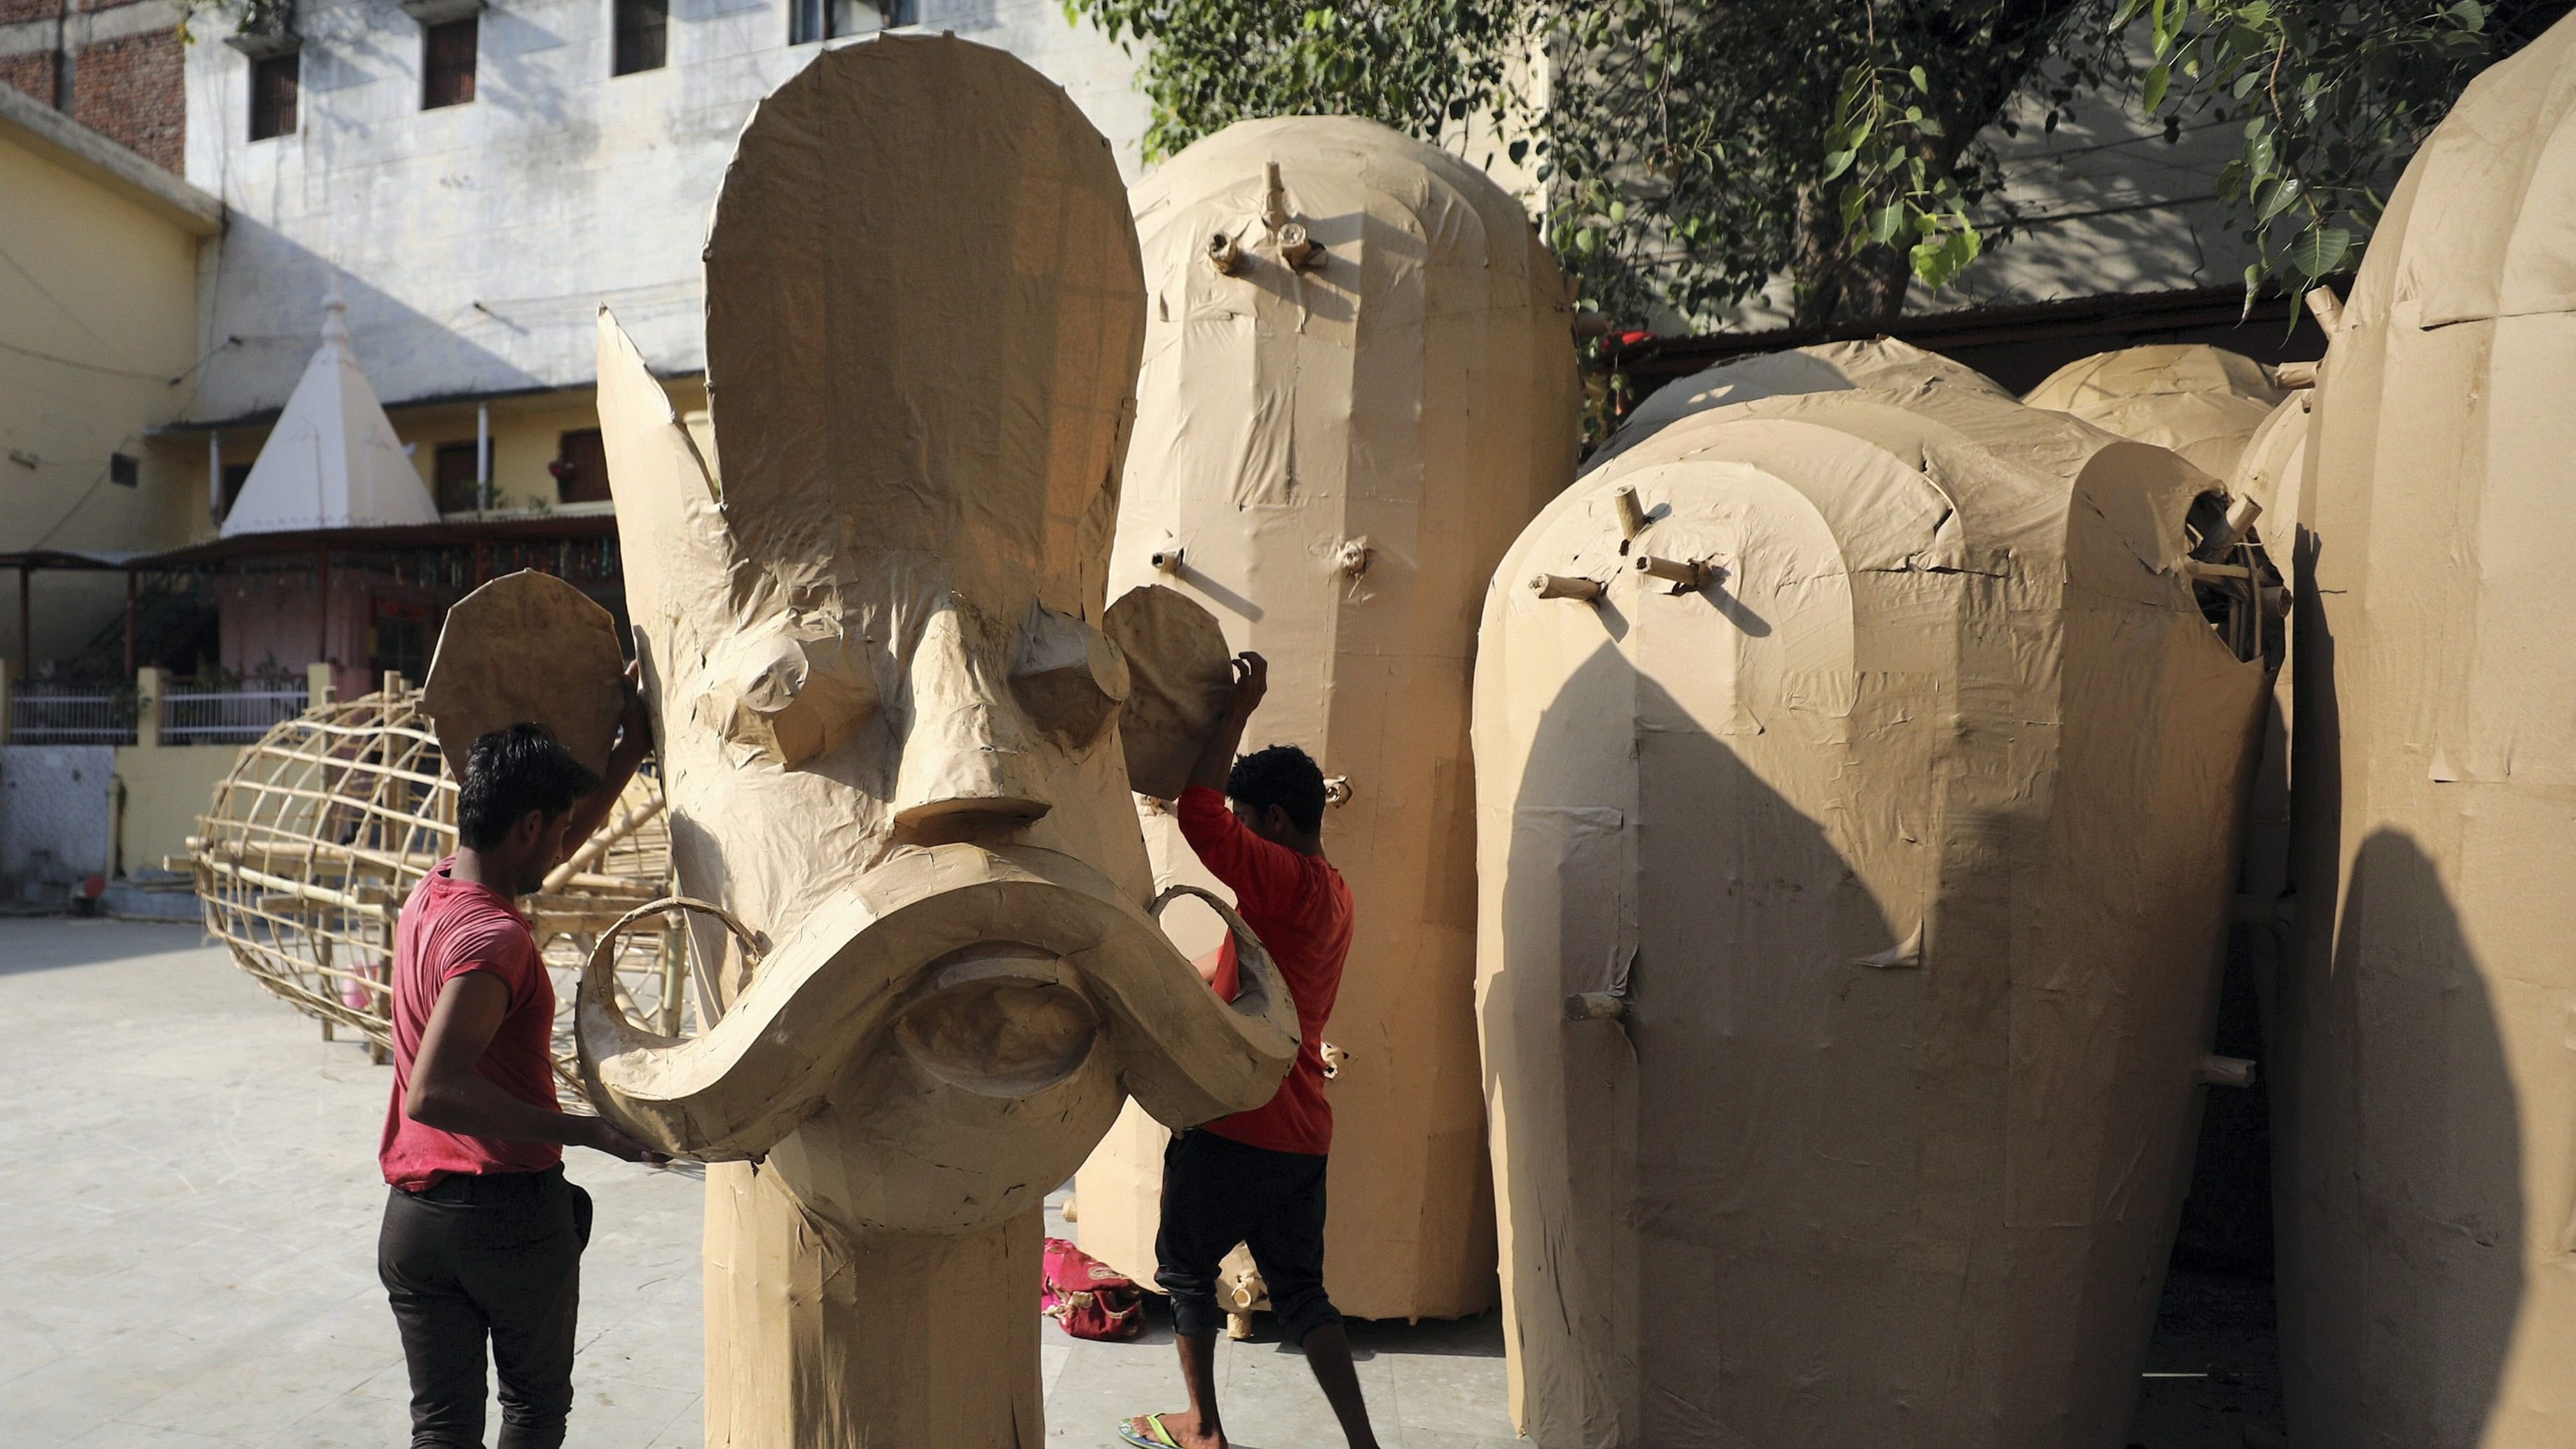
point(332, 461)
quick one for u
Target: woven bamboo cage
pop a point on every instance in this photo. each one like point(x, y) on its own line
point(313, 842)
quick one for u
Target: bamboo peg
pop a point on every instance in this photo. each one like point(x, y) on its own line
point(1632, 514)
point(2217, 1071)
point(1680, 571)
point(1595, 1006)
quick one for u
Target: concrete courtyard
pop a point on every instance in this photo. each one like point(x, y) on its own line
point(188, 1209)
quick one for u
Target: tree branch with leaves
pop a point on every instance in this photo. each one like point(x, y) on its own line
point(2333, 99)
point(1694, 156)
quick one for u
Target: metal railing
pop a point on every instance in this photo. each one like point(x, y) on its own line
point(44, 713)
point(230, 717)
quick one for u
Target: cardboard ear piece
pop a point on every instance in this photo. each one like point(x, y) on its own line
point(1179, 672)
point(527, 648)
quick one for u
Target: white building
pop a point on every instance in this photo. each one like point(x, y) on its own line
point(479, 178)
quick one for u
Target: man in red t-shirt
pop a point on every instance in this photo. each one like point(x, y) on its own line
point(482, 1236)
point(1257, 1177)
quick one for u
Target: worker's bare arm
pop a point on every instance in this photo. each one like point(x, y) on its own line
point(1225, 737)
point(634, 742)
point(448, 1094)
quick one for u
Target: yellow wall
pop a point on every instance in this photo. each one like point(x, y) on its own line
point(527, 434)
point(98, 311)
point(165, 789)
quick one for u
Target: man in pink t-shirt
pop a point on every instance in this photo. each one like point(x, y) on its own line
point(482, 1236)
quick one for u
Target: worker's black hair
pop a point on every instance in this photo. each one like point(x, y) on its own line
point(1282, 775)
point(511, 772)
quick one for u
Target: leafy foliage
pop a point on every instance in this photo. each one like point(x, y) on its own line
point(1692, 152)
point(2334, 97)
point(248, 17)
point(1415, 65)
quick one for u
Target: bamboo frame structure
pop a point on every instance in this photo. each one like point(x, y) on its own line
point(314, 840)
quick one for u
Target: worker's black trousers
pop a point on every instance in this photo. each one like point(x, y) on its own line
point(475, 1258)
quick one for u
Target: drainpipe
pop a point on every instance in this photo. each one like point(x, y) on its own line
point(322, 604)
point(63, 59)
point(483, 456)
point(215, 476)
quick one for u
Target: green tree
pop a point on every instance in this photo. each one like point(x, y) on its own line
point(2332, 97)
point(1693, 153)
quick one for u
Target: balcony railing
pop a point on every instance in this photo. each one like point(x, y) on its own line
point(45, 713)
point(231, 717)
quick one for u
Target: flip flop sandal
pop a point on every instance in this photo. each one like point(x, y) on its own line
point(1162, 1437)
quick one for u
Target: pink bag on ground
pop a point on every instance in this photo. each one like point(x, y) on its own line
point(1087, 1297)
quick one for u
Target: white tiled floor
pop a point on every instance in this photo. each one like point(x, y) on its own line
point(188, 1210)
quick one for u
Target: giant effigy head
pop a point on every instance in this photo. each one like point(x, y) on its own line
point(1858, 777)
point(869, 608)
point(2426, 1098)
point(1402, 300)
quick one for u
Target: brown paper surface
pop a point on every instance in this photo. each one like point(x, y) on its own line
point(887, 716)
point(526, 648)
point(1882, 365)
point(1339, 453)
point(2268, 471)
point(1891, 868)
point(1182, 675)
point(2203, 402)
point(2425, 1105)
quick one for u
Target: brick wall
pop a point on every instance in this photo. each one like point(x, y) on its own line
point(129, 69)
point(134, 92)
point(32, 73)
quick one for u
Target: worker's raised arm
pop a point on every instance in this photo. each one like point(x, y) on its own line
point(634, 742)
point(1258, 871)
point(1225, 737)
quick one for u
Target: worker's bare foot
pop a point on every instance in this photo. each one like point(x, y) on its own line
point(1170, 1431)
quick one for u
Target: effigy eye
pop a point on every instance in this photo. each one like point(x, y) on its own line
point(1069, 677)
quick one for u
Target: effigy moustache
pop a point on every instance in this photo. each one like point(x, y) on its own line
point(1000, 972)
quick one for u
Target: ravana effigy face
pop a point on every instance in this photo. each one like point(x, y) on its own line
point(888, 697)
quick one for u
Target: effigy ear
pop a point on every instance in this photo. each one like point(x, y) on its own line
point(676, 551)
point(526, 648)
point(1179, 673)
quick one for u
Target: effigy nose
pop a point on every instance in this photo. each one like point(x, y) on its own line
point(966, 771)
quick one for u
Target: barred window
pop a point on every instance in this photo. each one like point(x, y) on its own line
point(643, 36)
point(447, 63)
point(812, 20)
point(274, 81)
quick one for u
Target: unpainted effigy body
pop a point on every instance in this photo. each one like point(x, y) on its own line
point(2201, 401)
point(1881, 365)
point(2426, 1097)
point(1858, 782)
point(2269, 466)
point(889, 720)
point(1358, 384)
point(2228, 416)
